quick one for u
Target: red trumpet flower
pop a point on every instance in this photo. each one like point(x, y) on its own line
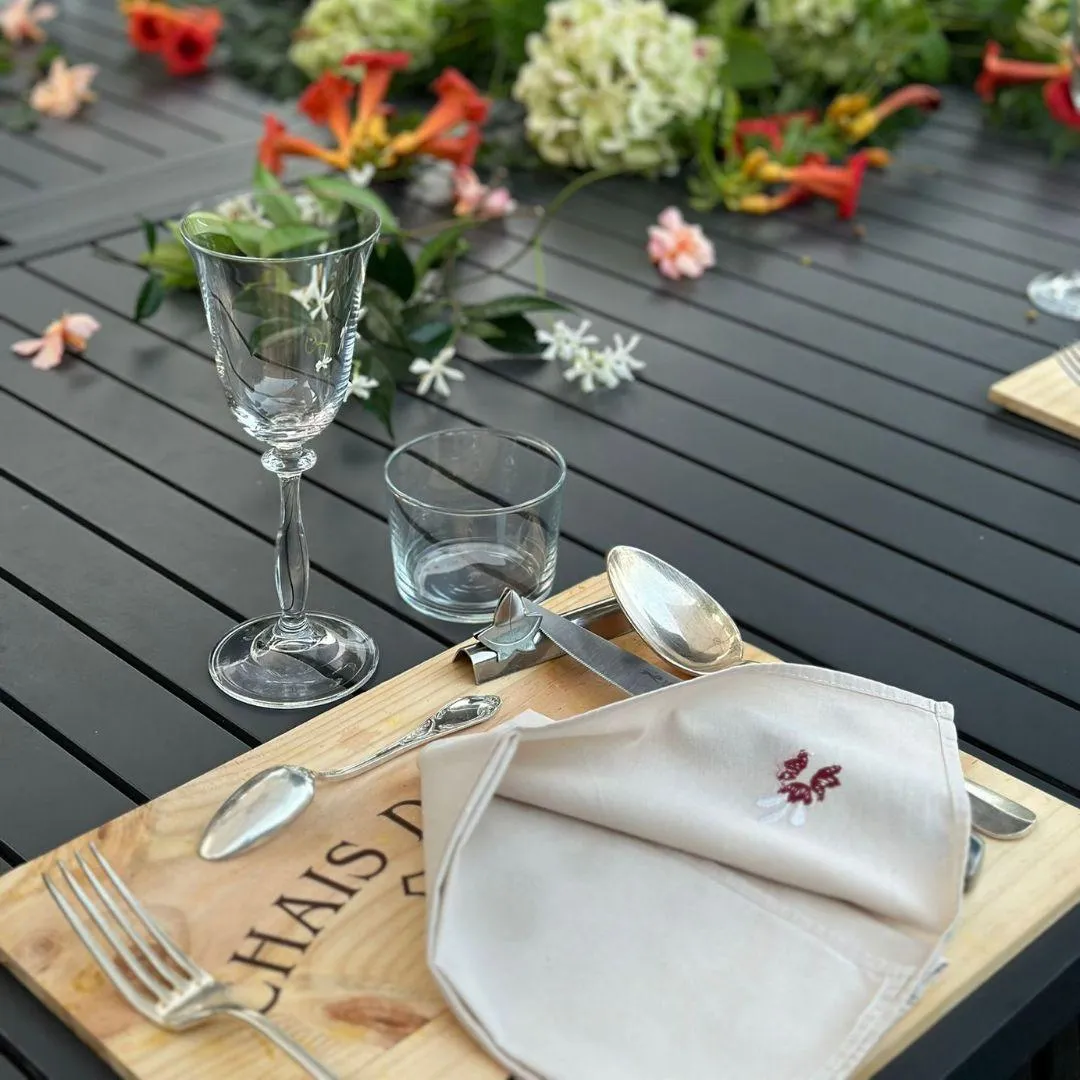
point(276, 143)
point(328, 101)
point(770, 128)
point(841, 184)
point(858, 124)
point(997, 72)
point(191, 40)
point(1059, 102)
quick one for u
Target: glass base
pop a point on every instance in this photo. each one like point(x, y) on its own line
point(247, 666)
point(1056, 294)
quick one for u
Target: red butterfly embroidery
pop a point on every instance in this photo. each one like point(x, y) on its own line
point(794, 793)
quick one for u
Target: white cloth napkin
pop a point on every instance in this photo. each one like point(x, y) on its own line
point(746, 876)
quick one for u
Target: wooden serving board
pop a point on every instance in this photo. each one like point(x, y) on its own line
point(1041, 392)
point(327, 921)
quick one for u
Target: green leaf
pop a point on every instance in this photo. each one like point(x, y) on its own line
point(515, 304)
point(341, 189)
point(439, 248)
point(274, 201)
point(391, 266)
point(18, 117)
point(292, 240)
point(211, 231)
point(149, 229)
point(150, 297)
point(749, 65)
point(247, 236)
point(45, 56)
point(931, 59)
point(515, 335)
point(381, 400)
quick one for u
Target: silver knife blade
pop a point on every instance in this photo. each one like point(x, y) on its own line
point(623, 669)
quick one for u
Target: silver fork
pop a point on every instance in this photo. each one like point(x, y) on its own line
point(176, 993)
point(1069, 361)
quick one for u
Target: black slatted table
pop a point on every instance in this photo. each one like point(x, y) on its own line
point(811, 440)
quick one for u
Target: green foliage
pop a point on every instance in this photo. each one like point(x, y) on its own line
point(17, 117)
point(255, 43)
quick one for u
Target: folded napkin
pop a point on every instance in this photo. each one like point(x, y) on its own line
point(749, 876)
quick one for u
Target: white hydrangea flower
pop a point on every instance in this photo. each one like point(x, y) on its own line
point(361, 386)
point(822, 17)
point(562, 343)
point(607, 81)
point(331, 29)
point(1045, 24)
point(436, 372)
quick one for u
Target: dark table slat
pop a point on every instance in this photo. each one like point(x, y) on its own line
point(8, 1069)
point(951, 479)
point(51, 1048)
point(88, 139)
point(12, 187)
point(93, 700)
point(125, 604)
point(46, 795)
point(48, 169)
point(352, 544)
point(854, 571)
point(127, 503)
point(814, 265)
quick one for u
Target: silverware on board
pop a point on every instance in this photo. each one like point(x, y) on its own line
point(268, 801)
point(151, 973)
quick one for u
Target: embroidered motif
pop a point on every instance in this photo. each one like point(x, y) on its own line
point(792, 796)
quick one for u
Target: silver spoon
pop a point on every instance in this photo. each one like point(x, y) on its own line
point(678, 619)
point(264, 804)
point(671, 613)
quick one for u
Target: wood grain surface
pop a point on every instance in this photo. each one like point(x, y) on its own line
point(327, 921)
point(1043, 393)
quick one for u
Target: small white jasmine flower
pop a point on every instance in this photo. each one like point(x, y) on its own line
point(620, 357)
point(324, 363)
point(435, 372)
point(592, 367)
point(563, 343)
point(361, 386)
point(313, 298)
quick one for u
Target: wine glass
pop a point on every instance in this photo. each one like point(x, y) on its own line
point(283, 330)
point(1059, 293)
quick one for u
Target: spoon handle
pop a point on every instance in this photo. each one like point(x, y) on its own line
point(444, 722)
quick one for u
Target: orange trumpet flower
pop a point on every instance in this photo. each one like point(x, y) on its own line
point(849, 112)
point(997, 72)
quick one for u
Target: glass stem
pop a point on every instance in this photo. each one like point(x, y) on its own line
point(291, 570)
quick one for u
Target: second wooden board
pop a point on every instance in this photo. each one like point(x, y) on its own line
point(325, 925)
point(1041, 392)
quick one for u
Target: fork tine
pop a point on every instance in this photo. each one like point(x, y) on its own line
point(152, 928)
point(145, 975)
point(131, 994)
point(169, 977)
point(1069, 362)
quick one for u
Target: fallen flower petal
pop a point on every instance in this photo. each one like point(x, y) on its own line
point(678, 249)
point(21, 21)
point(474, 199)
point(64, 90)
point(69, 331)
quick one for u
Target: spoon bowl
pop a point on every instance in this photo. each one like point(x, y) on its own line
point(268, 801)
point(672, 614)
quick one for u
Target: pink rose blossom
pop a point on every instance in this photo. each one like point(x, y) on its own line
point(679, 250)
point(21, 21)
point(69, 331)
point(474, 199)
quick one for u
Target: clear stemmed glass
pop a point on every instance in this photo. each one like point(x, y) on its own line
point(1059, 293)
point(283, 331)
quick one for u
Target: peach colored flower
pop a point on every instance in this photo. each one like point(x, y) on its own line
point(678, 249)
point(64, 91)
point(474, 199)
point(21, 21)
point(69, 331)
